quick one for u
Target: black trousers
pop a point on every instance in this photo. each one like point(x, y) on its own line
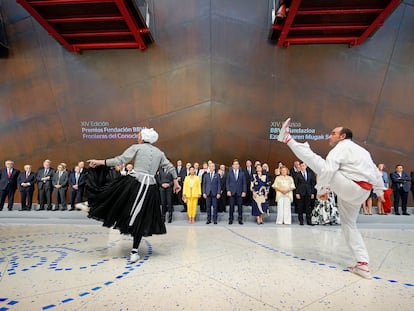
point(26, 196)
point(236, 200)
point(166, 201)
point(303, 205)
point(400, 194)
point(45, 197)
point(9, 193)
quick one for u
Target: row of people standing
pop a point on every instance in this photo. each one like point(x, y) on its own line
point(235, 184)
point(48, 180)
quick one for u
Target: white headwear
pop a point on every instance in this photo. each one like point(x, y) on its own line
point(149, 135)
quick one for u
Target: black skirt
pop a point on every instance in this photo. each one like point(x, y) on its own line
point(111, 201)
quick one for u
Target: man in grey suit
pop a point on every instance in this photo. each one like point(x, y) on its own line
point(60, 183)
point(44, 184)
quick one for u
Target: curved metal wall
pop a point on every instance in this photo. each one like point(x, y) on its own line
point(211, 85)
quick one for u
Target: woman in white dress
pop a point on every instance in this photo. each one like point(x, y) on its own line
point(284, 186)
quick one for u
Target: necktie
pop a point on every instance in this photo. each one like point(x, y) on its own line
point(9, 172)
point(304, 176)
point(236, 174)
point(77, 178)
point(27, 175)
point(211, 176)
point(46, 171)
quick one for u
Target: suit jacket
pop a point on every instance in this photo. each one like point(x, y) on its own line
point(23, 179)
point(249, 176)
point(7, 182)
point(164, 177)
point(63, 180)
point(182, 173)
point(305, 187)
point(236, 186)
point(81, 179)
point(412, 183)
point(40, 174)
point(211, 186)
point(195, 190)
point(400, 182)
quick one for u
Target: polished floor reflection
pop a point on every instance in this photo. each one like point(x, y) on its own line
point(79, 265)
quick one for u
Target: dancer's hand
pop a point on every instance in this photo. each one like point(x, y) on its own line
point(94, 163)
point(177, 186)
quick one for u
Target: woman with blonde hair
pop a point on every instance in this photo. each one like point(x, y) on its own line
point(284, 186)
point(191, 194)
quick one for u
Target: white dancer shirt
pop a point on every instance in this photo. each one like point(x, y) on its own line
point(352, 161)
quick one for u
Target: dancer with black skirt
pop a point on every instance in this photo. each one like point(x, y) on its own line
point(130, 203)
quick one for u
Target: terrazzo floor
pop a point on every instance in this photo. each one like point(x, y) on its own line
point(84, 266)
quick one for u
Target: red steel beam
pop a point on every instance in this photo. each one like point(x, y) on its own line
point(96, 34)
point(85, 19)
point(45, 24)
point(114, 45)
point(312, 40)
point(62, 2)
point(297, 27)
point(321, 11)
point(288, 22)
point(133, 26)
point(378, 22)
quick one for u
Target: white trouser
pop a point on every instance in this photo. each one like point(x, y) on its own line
point(350, 197)
point(284, 211)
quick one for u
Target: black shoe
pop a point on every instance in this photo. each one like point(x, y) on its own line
point(169, 220)
point(406, 214)
point(240, 222)
point(40, 209)
point(301, 223)
point(397, 214)
point(10, 209)
point(215, 222)
point(208, 222)
point(230, 222)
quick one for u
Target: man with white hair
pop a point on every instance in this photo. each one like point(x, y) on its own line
point(44, 178)
point(351, 174)
point(8, 184)
point(132, 203)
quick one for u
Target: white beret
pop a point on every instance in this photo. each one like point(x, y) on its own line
point(149, 135)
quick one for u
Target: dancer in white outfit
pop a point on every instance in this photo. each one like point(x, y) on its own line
point(349, 172)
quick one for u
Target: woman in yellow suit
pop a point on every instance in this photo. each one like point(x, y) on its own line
point(191, 193)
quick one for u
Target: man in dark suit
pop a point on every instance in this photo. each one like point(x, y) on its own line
point(412, 183)
point(26, 181)
point(165, 182)
point(400, 187)
point(60, 184)
point(305, 181)
point(181, 173)
point(8, 184)
point(236, 186)
point(83, 171)
point(77, 182)
point(44, 177)
point(211, 192)
point(249, 170)
point(222, 202)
